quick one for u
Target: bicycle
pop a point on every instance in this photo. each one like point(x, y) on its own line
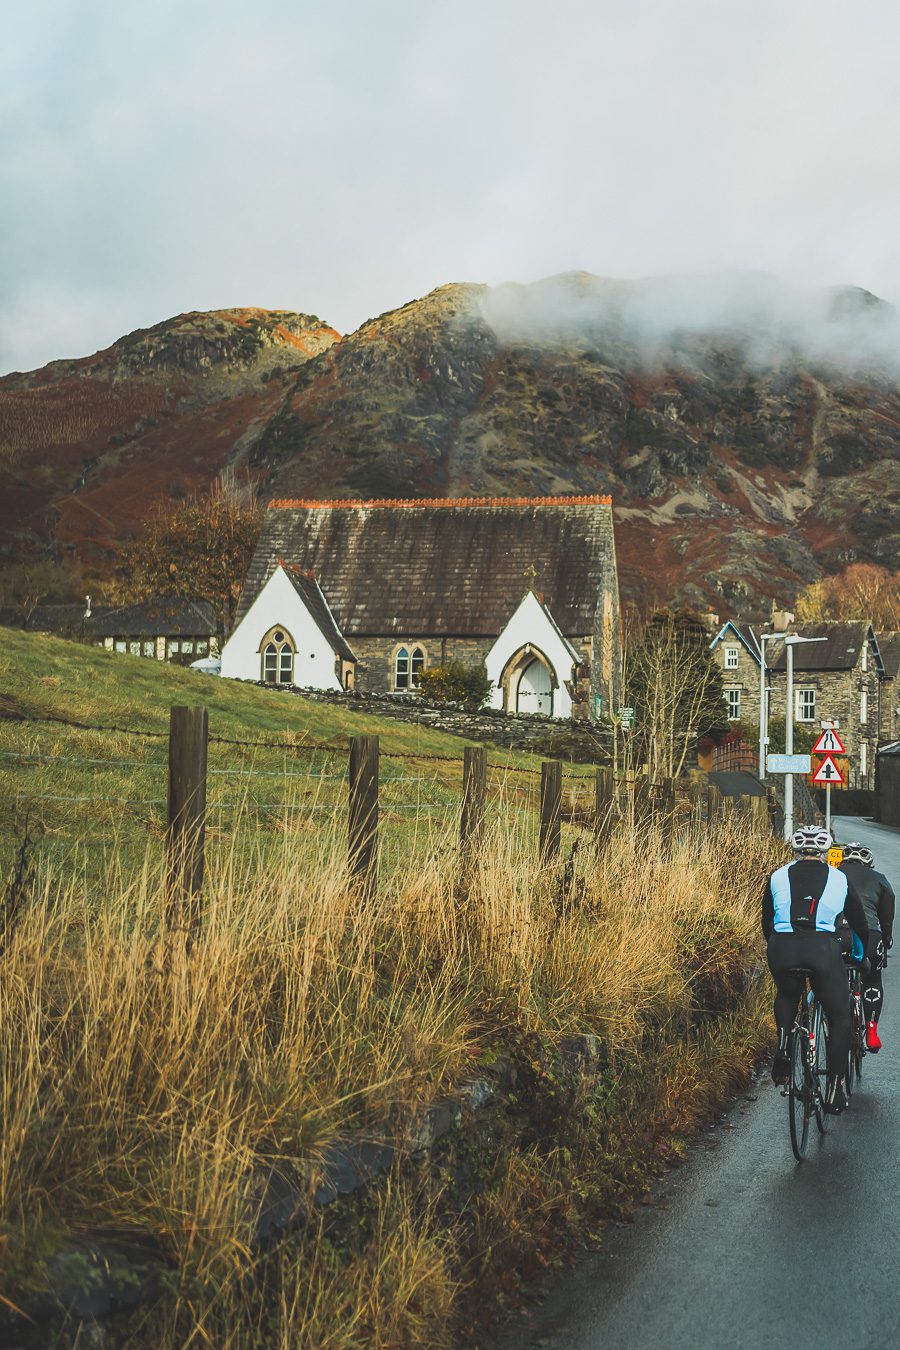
point(858, 1028)
point(808, 1059)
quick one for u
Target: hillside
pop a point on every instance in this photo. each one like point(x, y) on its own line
point(748, 435)
point(86, 445)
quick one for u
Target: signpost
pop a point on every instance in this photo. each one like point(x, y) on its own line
point(828, 773)
point(829, 743)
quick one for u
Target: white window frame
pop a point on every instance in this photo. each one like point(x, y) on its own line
point(805, 700)
point(277, 657)
point(733, 703)
point(732, 658)
point(865, 656)
point(864, 759)
point(863, 707)
point(410, 659)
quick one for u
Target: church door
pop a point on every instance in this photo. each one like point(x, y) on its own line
point(535, 692)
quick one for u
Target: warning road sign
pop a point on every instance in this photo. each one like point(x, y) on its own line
point(829, 743)
point(828, 772)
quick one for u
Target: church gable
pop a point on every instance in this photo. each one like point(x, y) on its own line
point(288, 636)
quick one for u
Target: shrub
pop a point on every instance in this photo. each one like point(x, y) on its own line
point(455, 682)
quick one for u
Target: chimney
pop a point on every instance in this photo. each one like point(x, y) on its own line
point(781, 619)
point(712, 619)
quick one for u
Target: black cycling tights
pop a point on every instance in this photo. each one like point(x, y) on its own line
point(820, 954)
point(873, 988)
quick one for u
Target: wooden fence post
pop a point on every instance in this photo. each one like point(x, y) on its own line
point(642, 814)
point(760, 808)
point(363, 826)
point(185, 833)
point(471, 819)
point(604, 803)
point(551, 809)
point(713, 804)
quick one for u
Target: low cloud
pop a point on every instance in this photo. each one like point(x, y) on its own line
point(648, 322)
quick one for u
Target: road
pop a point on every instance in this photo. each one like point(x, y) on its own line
point(753, 1250)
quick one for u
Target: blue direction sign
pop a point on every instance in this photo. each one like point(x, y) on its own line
point(788, 763)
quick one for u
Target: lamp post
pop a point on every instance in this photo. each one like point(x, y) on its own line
point(790, 642)
point(763, 703)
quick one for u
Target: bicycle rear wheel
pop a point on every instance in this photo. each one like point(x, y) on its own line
point(798, 1093)
point(820, 1069)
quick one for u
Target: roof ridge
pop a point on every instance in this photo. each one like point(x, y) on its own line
point(304, 503)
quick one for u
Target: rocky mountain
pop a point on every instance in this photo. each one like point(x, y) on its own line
point(86, 445)
point(749, 434)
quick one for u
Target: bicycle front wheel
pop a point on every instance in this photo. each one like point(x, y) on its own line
point(798, 1093)
point(820, 1069)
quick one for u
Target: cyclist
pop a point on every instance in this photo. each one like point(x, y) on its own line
point(801, 905)
point(877, 896)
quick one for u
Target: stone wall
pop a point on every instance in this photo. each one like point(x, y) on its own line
point(583, 741)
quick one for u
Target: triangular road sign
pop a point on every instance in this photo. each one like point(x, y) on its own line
point(828, 772)
point(829, 743)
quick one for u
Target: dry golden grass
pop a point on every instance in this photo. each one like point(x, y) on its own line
point(139, 1085)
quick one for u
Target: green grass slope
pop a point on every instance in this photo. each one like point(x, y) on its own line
point(96, 798)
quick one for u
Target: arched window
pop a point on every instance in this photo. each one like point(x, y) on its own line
point(401, 668)
point(408, 667)
point(277, 657)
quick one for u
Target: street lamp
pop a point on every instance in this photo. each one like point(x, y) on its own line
point(763, 702)
point(790, 642)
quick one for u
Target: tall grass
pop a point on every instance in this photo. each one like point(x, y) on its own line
point(142, 1084)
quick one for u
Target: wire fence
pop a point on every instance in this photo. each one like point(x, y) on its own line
point(118, 802)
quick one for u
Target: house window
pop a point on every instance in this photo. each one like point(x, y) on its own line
point(865, 657)
point(408, 667)
point(173, 648)
point(149, 648)
point(805, 705)
point(121, 646)
point(733, 703)
point(187, 647)
point(731, 658)
point(278, 658)
point(202, 648)
point(863, 758)
point(864, 706)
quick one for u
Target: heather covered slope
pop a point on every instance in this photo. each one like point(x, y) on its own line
point(87, 445)
point(748, 433)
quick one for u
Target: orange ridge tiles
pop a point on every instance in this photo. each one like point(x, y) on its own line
point(290, 503)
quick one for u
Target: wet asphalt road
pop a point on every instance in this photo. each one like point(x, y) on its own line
point(752, 1250)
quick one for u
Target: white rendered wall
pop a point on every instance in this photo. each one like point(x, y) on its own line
point(279, 605)
point(530, 625)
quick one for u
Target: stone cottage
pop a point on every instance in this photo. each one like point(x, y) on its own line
point(839, 678)
point(367, 595)
point(889, 646)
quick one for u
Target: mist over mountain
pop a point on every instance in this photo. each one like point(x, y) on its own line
point(748, 430)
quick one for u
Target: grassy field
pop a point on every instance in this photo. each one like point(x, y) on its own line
point(97, 798)
point(141, 1085)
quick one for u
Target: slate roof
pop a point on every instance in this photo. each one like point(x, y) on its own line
point(840, 650)
point(743, 632)
point(454, 566)
point(310, 592)
point(889, 646)
point(164, 616)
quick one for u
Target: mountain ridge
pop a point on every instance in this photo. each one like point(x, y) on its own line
point(747, 433)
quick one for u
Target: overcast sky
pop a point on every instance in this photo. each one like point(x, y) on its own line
point(341, 158)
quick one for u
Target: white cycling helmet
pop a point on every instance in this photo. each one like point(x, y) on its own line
point(858, 853)
point(811, 839)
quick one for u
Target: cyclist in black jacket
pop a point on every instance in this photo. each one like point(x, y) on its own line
point(801, 906)
point(877, 896)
